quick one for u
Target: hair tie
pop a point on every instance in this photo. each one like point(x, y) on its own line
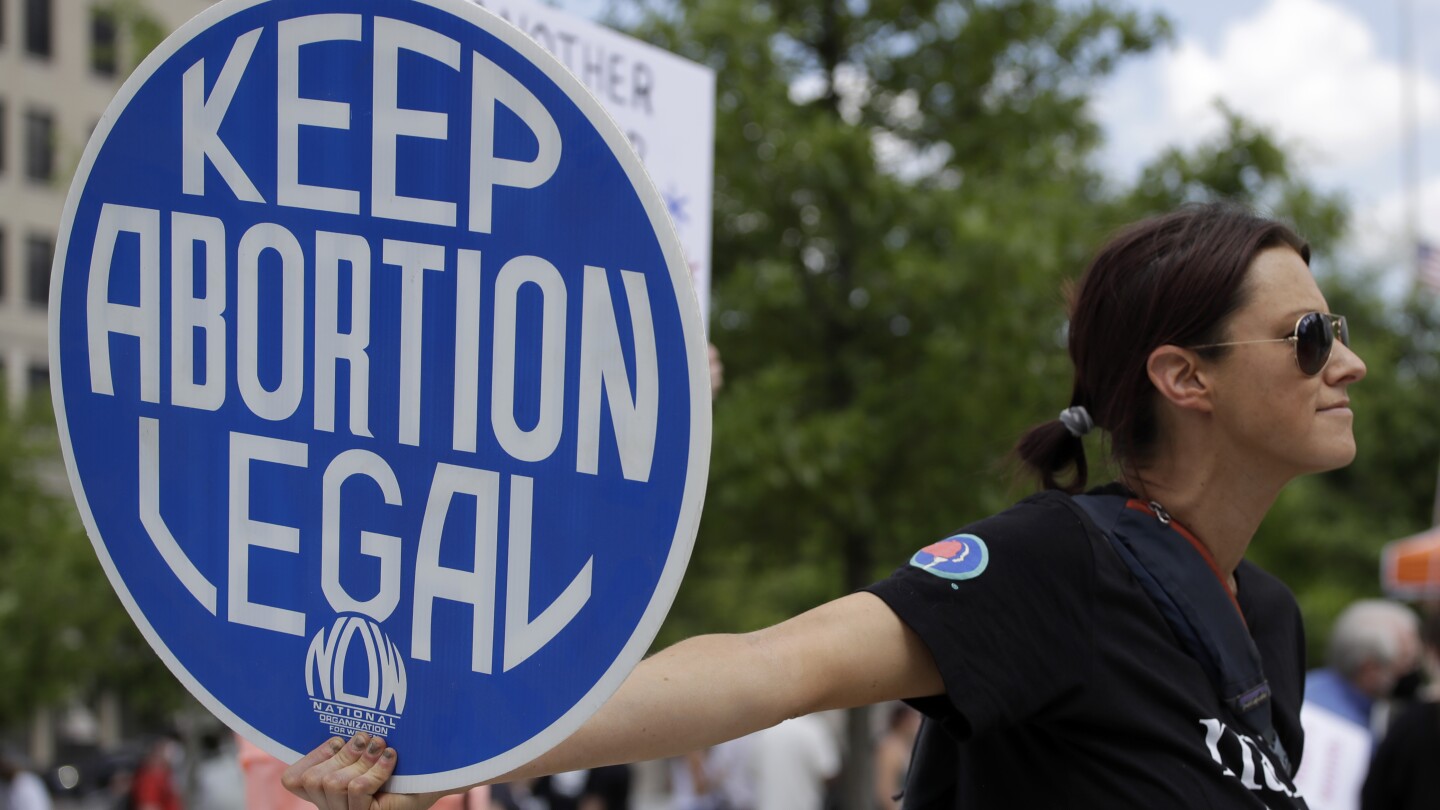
point(1077, 420)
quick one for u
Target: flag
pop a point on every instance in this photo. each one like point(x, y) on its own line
point(1427, 266)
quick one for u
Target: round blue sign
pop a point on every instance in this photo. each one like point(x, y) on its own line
point(381, 384)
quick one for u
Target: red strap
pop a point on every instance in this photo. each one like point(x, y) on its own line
point(1141, 506)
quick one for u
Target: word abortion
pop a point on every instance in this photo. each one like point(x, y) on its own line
point(633, 409)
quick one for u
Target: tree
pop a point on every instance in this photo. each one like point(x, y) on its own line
point(66, 634)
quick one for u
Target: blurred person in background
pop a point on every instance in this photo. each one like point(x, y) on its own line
point(791, 764)
point(219, 784)
point(690, 782)
point(20, 789)
point(728, 767)
point(1405, 773)
point(605, 788)
point(650, 785)
point(1373, 657)
point(716, 778)
point(892, 755)
point(153, 785)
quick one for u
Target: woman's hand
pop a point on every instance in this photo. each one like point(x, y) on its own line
point(348, 776)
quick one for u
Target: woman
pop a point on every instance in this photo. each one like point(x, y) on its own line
point(1204, 349)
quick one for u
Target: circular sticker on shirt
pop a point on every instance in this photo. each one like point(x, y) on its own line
point(963, 556)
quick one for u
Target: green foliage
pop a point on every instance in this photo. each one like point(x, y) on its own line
point(66, 634)
point(145, 30)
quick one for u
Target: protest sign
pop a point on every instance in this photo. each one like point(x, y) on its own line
point(380, 380)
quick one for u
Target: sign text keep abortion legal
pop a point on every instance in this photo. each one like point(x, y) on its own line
point(378, 371)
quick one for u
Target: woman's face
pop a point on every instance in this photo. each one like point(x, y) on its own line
point(1267, 409)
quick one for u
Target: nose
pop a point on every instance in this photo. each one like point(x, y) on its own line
point(1345, 366)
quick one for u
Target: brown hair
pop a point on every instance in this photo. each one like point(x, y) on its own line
point(1170, 279)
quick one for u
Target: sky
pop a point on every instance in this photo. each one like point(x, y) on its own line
point(1325, 76)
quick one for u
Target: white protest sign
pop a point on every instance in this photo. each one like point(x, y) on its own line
point(665, 104)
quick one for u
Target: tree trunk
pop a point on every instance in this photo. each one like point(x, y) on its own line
point(858, 776)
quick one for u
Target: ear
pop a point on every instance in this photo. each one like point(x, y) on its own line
point(1180, 378)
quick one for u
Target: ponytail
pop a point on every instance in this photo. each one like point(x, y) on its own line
point(1050, 448)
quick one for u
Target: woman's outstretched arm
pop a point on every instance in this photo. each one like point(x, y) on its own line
point(850, 652)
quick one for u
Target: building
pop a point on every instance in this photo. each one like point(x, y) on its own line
point(61, 62)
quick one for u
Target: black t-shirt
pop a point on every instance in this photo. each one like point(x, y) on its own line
point(1065, 685)
point(1403, 775)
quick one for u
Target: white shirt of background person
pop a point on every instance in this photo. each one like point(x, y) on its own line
point(26, 792)
point(792, 762)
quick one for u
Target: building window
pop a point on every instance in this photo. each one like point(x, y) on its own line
point(37, 27)
point(39, 146)
point(104, 54)
point(39, 254)
point(37, 380)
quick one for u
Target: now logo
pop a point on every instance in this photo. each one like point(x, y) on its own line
point(375, 706)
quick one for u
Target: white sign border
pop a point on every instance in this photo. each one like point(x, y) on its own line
point(696, 472)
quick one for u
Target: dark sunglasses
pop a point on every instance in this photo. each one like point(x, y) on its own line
point(1314, 337)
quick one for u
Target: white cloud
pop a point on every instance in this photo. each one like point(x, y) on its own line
point(1381, 229)
point(851, 85)
point(1313, 73)
point(1310, 70)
